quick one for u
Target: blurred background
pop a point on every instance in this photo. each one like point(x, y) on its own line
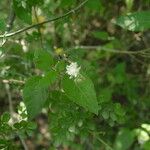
point(116, 59)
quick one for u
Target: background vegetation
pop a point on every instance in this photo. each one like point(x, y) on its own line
point(106, 106)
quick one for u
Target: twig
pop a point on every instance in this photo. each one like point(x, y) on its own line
point(143, 53)
point(23, 143)
point(11, 18)
point(103, 142)
point(44, 22)
point(13, 81)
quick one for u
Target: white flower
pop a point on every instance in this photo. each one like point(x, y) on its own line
point(73, 69)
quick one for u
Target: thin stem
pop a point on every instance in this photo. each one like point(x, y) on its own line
point(23, 143)
point(143, 53)
point(45, 22)
point(102, 48)
point(9, 26)
point(103, 142)
point(13, 81)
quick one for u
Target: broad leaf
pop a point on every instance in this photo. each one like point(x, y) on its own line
point(81, 91)
point(138, 21)
point(43, 60)
point(35, 92)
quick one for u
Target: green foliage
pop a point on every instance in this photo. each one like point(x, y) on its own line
point(81, 91)
point(10, 128)
point(102, 102)
point(67, 3)
point(101, 35)
point(2, 25)
point(43, 60)
point(5, 117)
point(124, 139)
point(35, 92)
point(23, 11)
point(146, 145)
point(94, 5)
point(138, 21)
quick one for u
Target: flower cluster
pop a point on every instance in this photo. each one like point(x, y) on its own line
point(73, 70)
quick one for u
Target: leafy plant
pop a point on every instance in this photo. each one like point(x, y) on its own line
point(71, 78)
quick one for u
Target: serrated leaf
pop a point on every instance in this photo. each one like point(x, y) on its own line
point(81, 91)
point(138, 21)
point(43, 60)
point(22, 13)
point(35, 92)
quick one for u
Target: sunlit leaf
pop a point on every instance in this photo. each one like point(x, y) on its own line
point(81, 91)
point(138, 21)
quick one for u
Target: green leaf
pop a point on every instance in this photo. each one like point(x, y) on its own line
point(2, 25)
point(5, 117)
point(31, 125)
point(138, 21)
point(81, 91)
point(124, 139)
point(43, 60)
point(118, 109)
point(67, 3)
point(35, 2)
point(22, 13)
point(3, 144)
point(35, 92)
point(20, 125)
point(105, 114)
point(100, 35)
point(146, 145)
point(94, 5)
point(119, 73)
point(105, 95)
